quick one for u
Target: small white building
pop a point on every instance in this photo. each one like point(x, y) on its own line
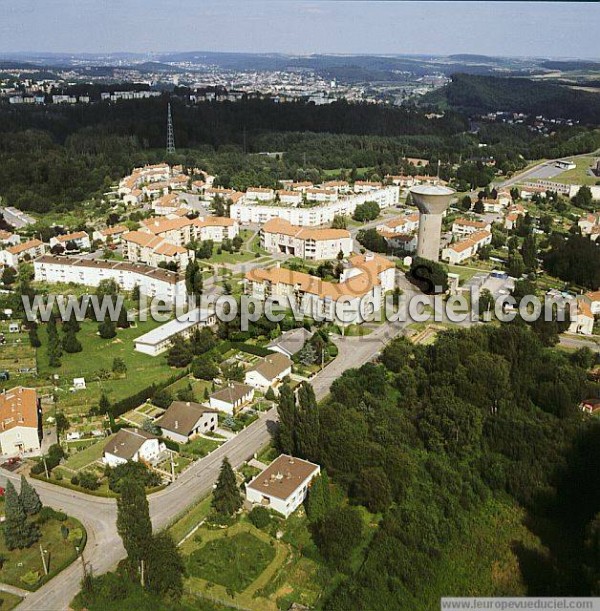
point(132, 444)
point(269, 372)
point(283, 485)
point(158, 340)
point(185, 420)
point(232, 397)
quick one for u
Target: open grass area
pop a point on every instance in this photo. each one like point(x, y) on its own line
point(190, 519)
point(16, 355)
point(24, 568)
point(87, 456)
point(95, 359)
point(579, 175)
point(8, 601)
point(232, 561)
point(198, 447)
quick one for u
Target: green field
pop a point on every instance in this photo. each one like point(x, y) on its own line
point(60, 553)
point(97, 357)
point(234, 562)
point(578, 176)
point(87, 456)
point(16, 354)
point(8, 601)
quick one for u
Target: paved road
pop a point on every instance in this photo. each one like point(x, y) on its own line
point(104, 548)
point(569, 341)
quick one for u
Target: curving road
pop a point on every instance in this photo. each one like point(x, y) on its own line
point(104, 548)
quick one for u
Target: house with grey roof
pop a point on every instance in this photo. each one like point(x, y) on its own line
point(290, 342)
point(132, 444)
point(232, 398)
point(186, 419)
point(269, 372)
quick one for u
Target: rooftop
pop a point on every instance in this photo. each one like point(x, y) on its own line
point(18, 407)
point(283, 476)
point(174, 327)
point(182, 417)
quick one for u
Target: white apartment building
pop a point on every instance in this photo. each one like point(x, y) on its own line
point(111, 235)
point(167, 204)
point(321, 214)
point(259, 194)
point(364, 282)
point(182, 231)
point(289, 198)
point(279, 236)
point(317, 194)
point(140, 247)
point(80, 238)
point(20, 422)
point(152, 281)
point(465, 227)
point(9, 239)
point(13, 255)
point(466, 248)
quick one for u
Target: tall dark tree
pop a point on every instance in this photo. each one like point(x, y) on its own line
point(164, 567)
point(18, 532)
point(226, 495)
point(308, 426)
point(29, 498)
point(286, 409)
point(133, 520)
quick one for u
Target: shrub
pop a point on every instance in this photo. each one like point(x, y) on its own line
point(260, 517)
point(30, 578)
point(47, 513)
point(88, 480)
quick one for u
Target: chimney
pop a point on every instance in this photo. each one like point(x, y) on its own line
point(176, 424)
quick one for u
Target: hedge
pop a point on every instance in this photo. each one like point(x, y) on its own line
point(120, 407)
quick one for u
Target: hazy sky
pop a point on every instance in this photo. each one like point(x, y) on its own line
point(512, 28)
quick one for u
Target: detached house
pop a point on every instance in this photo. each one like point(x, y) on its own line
point(232, 398)
point(269, 372)
point(132, 444)
point(185, 419)
point(283, 485)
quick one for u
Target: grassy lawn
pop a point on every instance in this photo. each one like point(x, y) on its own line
point(8, 601)
point(190, 519)
point(16, 354)
point(84, 457)
point(199, 447)
point(98, 355)
point(61, 553)
point(234, 562)
point(579, 175)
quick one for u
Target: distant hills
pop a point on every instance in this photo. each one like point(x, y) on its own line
point(481, 94)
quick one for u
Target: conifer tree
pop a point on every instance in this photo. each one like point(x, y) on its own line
point(318, 501)
point(107, 329)
point(307, 430)
point(133, 520)
point(18, 533)
point(286, 408)
point(29, 498)
point(226, 496)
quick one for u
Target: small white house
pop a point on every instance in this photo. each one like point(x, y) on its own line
point(283, 485)
point(132, 444)
point(269, 372)
point(232, 397)
point(185, 419)
point(79, 384)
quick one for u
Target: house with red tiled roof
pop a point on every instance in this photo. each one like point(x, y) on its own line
point(29, 250)
point(466, 248)
point(20, 422)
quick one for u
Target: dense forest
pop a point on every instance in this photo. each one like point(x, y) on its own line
point(430, 434)
point(481, 94)
point(55, 157)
